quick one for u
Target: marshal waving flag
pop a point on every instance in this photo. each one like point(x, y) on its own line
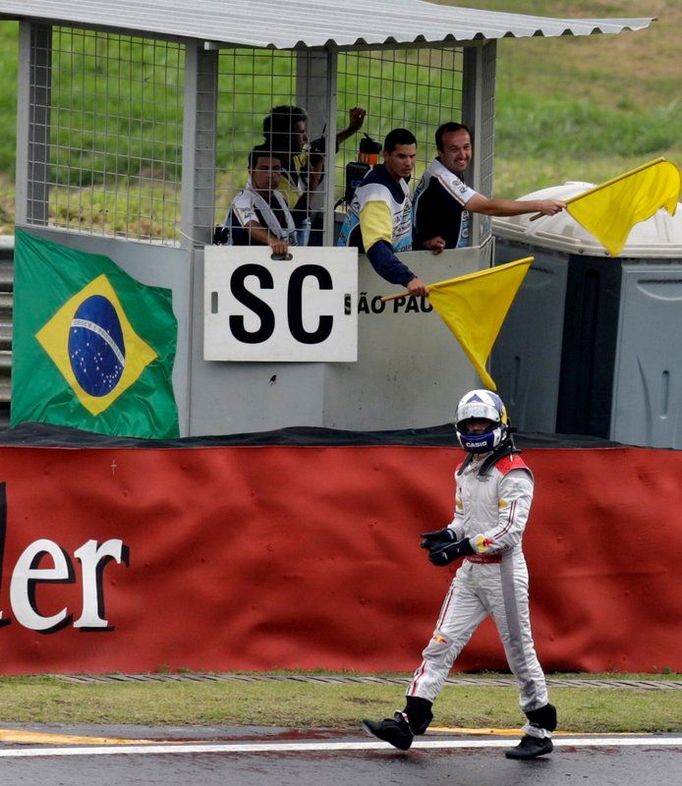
point(474, 307)
point(610, 210)
point(92, 348)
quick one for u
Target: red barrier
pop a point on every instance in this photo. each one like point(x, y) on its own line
point(306, 557)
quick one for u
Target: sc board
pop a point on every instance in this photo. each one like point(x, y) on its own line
point(300, 309)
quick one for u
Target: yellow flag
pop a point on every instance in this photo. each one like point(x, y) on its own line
point(475, 306)
point(610, 210)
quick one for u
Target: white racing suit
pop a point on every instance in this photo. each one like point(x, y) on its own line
point(492, 511)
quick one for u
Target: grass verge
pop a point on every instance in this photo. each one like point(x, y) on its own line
point(306, 704)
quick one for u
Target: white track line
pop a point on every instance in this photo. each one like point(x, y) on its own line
point(306, 747)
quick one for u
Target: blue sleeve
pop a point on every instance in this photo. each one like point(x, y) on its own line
point(387, 265)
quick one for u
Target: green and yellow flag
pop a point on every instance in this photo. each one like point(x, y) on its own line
point(92, 348)
point(475, 306)
point(610, 210)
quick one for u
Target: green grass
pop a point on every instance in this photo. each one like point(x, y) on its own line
point(8, 98)
point(322, 705)
point(586, 108)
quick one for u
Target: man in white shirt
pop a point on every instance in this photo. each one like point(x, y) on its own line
point(443, 202)
point(259, 214)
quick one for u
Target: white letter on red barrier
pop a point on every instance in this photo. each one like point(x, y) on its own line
point(26, 575)
point(93, 560)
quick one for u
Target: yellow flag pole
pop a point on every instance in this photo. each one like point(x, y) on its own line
point(386, 298)
point(464, 277)
point(606, 184)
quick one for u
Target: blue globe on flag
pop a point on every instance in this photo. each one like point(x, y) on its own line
point(96, 346)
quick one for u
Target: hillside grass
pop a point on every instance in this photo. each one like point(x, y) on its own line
point(586, 108)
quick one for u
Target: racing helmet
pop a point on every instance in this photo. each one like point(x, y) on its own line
point(482, 404)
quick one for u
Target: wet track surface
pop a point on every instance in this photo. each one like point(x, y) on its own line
point(110, 756)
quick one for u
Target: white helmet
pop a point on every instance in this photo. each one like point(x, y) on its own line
point(482, 404)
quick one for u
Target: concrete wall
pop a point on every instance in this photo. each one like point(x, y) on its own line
point(410, 368)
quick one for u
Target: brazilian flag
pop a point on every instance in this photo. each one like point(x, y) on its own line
point(92, 348)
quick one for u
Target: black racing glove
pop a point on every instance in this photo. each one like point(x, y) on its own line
point(449, 552)
point(436, 539)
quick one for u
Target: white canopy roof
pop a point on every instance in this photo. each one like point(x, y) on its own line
point(306, 23)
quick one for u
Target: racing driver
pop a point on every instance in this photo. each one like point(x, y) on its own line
point(494, 491)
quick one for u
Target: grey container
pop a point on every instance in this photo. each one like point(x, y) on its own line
point(593, 344)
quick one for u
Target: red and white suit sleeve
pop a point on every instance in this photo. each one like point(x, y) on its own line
point(515, 496)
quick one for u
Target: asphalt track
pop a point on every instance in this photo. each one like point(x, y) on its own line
point(246, 756)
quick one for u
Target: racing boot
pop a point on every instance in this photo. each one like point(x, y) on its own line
point(530, 748)
point(544, 719)
point(395, 730)
point(399, 730)
point(418, 713)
